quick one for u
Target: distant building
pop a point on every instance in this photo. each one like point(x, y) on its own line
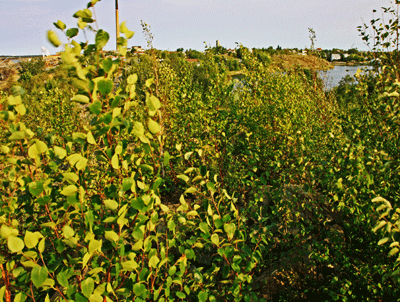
point(137, 49)
point(218, 44)
point(335, 57)
point(193, 61)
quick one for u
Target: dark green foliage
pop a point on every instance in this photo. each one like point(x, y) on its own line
point(28, 69)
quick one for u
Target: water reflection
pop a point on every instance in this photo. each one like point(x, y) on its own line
point(332, 77)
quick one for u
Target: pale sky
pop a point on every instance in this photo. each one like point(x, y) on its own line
point(190, 23)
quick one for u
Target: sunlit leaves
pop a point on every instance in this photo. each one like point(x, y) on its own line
point(87, 286)
point(153, 104)
point(6, 231)
point(39, 275)
point(84, 13)
point(17, 135)
point(37, 148)
point(79, 98)
point(60, 25)
point(128, 34)
point(69, 190)
point(36, 188)
point(53, 38)
point(154, 127)
point(102, 38)
point(15, 244)
point(68, 232)
point(111, 204)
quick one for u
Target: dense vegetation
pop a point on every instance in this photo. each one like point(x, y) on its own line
point(140, 180)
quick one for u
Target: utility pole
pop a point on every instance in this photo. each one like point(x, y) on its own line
point(117, 23)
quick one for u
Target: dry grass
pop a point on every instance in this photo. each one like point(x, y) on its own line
point(286, 62)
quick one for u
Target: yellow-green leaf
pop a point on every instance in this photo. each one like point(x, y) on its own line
point(53, 38)
point(154, 127)
point(15, 244)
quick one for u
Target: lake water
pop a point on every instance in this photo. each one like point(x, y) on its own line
point(332, 77)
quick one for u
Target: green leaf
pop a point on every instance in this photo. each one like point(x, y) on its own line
point(215, 239)
point(21, 109)
point(96, 107)
point(123, 27)
point(71, 177)
point(62, 279)
point(204, 227)
point(153, 104)
point(154, 127)
point(379, 225)
point(139, 289)
point(15, 244)
point(16, 136)
point(53, 38)
point(154, 261)
point(107, 64)
point(32, 239)
point(111, 235)
point(81, 164)
point(37, 148)
point(172, 270)
point(60, 152)
point(138, 129)
point(72, 32)
point(393, 251)
point(68, 232)
point(184, 177)
point(187, 155)
point(137, 246)
point(80, 98)
point(166, 159)
point(115, 161)
point(180, 295)
point(39, 275)
point(127, 184)
point(129, 34)
point(84, 13)
point(90, 138)
point(230, 229)
point(41, 245)
point(191, 190)
point(87, 286)
point(149, 82)
point(36, 188)
point(60, 25)
point(111, 204)
point(95, 245)
point(129, 266)
point(41, 146)
point(102, 38)
point(202, 296)
point(105, 86)
point(81, 24)
point(211, 187)
point(6, 231)
point(69, 190)
point(96, 298)
point(383, 241)
point(132, 79)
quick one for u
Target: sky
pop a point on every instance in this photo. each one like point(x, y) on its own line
point(193, 24)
